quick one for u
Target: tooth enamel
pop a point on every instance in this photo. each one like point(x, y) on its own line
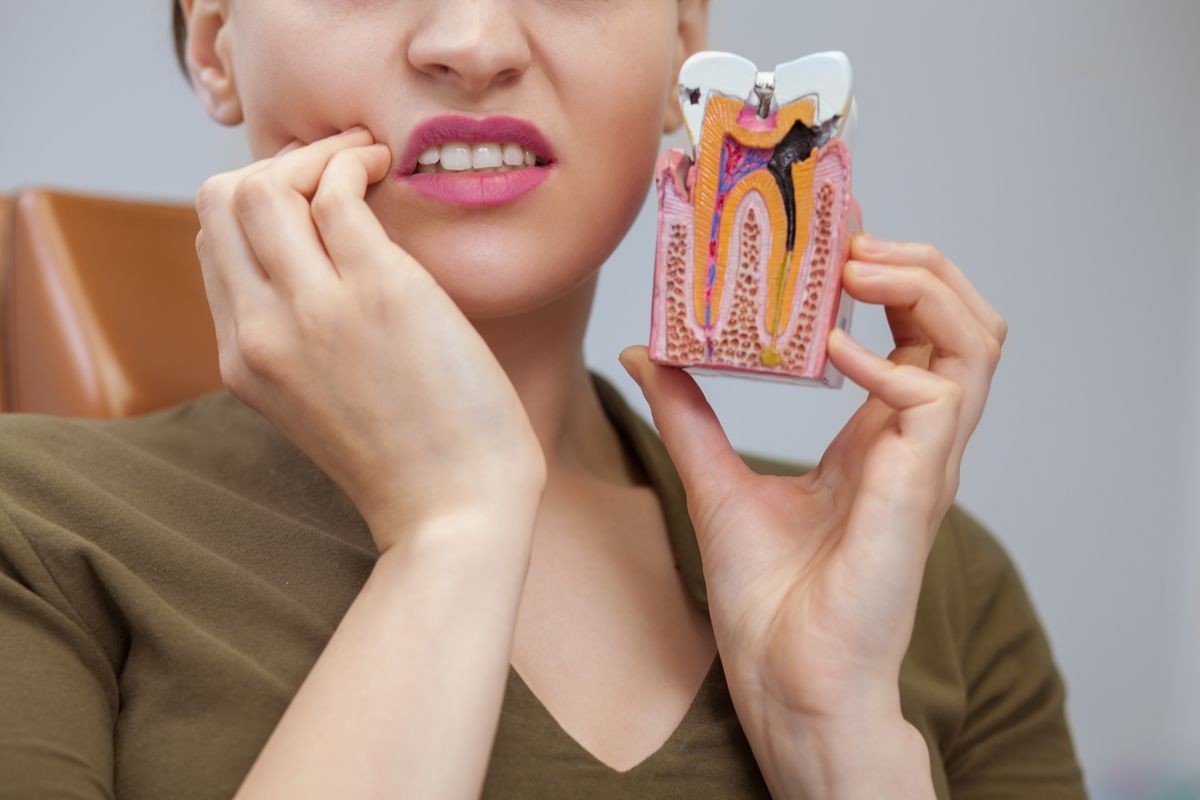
point(708, 73)
point(826, 75)
point(456, 156)
point(430, 156)
point(486, 156)
point(514, 155)
point(530, 158)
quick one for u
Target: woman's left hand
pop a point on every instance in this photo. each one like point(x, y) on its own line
point(813, 580)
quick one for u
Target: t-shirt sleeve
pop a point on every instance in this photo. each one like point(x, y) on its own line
point(57, 688)
point(1015, 741)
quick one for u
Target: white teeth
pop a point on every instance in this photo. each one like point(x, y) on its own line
point(486, 156)
point(514, 155)
point(456, 156)
point(479, 157)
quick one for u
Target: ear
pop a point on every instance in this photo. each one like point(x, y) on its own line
point(210, 59)
point(693, 36)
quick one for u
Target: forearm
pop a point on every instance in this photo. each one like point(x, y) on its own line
point(405, 699)
point(863, 756)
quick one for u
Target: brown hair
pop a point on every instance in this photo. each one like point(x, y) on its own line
point(179, 29)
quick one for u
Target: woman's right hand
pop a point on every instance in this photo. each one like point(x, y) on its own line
point(339, 338)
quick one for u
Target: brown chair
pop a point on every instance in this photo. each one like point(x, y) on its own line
point(102, 306)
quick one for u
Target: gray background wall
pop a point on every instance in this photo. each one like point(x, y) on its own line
point(1047, 147)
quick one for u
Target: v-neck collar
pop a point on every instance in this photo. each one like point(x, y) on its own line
point(642, 438)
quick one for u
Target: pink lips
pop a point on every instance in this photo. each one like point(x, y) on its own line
point(475, 189)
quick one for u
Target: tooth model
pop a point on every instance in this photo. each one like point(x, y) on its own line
point(754, 223)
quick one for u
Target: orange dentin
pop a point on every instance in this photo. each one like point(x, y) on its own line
point(780, 293)
point(763, 183)
point(720, 120)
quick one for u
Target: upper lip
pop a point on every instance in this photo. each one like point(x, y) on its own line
point(456, 128)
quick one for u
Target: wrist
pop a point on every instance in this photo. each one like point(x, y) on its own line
point(490, 533)
point(856, 755)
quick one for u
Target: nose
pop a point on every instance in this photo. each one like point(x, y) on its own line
point(470, 45)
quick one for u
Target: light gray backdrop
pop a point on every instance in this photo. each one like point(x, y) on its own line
point(1049, 148)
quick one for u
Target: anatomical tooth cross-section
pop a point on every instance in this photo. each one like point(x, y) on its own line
point(754, 223)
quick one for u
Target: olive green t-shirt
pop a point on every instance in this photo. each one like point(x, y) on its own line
point(168, 580)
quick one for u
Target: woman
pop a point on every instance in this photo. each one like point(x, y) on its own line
point(418, 549)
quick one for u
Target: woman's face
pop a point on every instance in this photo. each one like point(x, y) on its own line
point(597, 77)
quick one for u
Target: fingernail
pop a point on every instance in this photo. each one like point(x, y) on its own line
point(870, 244)
point(865, 269)
point(355, 129)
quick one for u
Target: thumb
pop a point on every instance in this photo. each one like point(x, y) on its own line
point(706, 461)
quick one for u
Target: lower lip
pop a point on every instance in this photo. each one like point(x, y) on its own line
point(478, 189)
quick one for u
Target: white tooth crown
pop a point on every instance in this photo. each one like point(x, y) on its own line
point(514, 155)
point(486, 156)
point(825, 76)
point(456, 156)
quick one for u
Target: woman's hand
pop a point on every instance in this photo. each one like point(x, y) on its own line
point(338, 337)
point(813, 580)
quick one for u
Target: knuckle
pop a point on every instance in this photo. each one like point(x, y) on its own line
point(952, 392)
point(327, 203)
point(926, 253)
point(210, 194)
point(992, 348)
point(311, 312)
point(252, 192)
point(927, 281)
point(1001, 329)
point(200, 242)
point(257, 347)
point(230, 368)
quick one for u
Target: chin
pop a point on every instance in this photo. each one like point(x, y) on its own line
point(497, 277)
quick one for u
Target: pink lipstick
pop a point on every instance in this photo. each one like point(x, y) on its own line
point(472, 189)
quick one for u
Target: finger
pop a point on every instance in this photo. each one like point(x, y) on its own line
point(272, 206)
point(707, 464)
point(215, 290)
point(300, 169)
point(926, 255)
point(218, 192)
point(962, 350)
point(928, 405)
point(233, 271)
point(273, 209)
point(926, 310)
point(349, 230)
point(222, 303)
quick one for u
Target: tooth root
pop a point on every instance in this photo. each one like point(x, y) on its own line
point(486, 156)
point(514, 155)
point(430, 156)
point(456, 156)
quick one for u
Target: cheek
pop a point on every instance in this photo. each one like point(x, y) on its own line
point(291, 90)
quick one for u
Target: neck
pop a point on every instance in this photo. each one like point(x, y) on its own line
point(542, 352)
